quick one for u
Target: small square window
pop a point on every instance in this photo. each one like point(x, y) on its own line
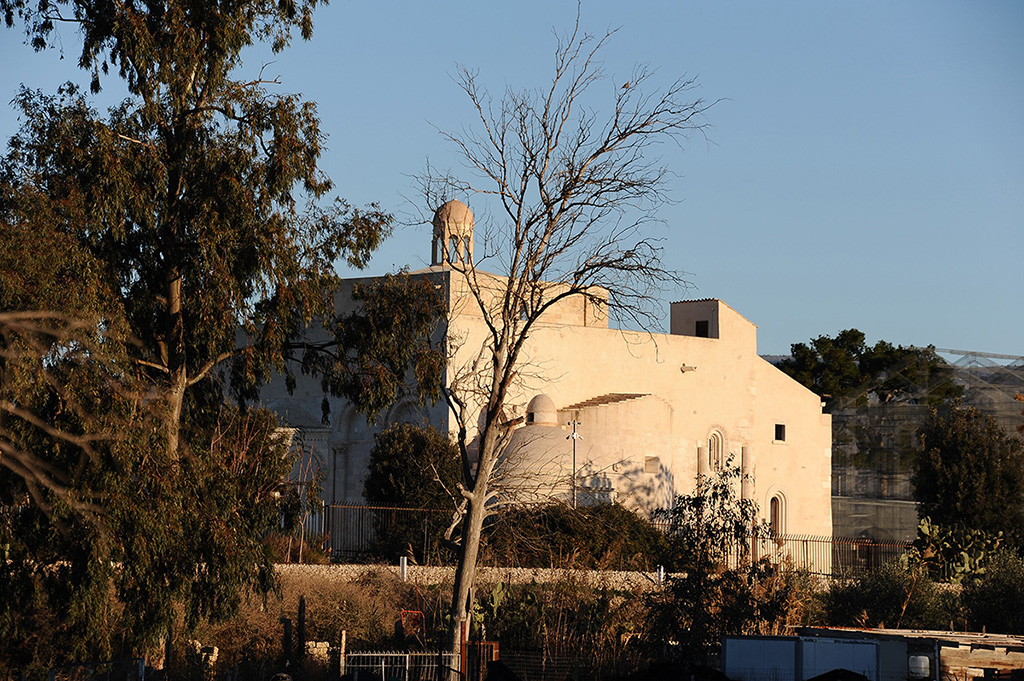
point(701, 329)
point(780, 432)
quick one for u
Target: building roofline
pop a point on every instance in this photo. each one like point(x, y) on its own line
point(714, 300)
point(947, 637)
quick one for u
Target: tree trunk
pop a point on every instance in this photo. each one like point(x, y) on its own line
point(465, 573)
point(175, 362)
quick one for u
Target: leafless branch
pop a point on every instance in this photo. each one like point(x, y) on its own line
point(570, 199)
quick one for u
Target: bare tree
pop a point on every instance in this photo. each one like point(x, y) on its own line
point(574, 195)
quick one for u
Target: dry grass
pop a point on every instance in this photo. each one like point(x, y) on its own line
point(365, 607)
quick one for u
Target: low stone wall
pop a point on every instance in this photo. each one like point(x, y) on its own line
point(418, 574)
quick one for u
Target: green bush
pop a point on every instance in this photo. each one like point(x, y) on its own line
point(996, 601)
point(699, 607)
point(413, 467)
point(603, 537)
point(897, 595)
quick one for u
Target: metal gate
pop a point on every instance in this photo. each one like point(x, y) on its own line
point(388, 665)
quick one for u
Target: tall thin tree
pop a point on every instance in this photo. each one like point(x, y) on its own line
point(574, 194)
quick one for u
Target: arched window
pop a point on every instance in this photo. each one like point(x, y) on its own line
point(716, 451)
point(777, 516)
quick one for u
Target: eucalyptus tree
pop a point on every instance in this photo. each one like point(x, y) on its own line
point(200, 193)
point(191, 239)
point(720, 586)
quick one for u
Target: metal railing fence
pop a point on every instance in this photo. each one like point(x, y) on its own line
point(526, 665)
point(816, 555)
point(355, 530)
point(405, 666)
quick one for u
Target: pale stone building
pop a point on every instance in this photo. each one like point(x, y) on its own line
point(652, 410)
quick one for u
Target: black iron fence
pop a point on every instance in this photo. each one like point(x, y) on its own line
point(353, 531)
point(826, 556)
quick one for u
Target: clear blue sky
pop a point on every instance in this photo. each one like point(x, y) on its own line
point(866, 166)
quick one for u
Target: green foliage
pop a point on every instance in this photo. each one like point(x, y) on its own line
point(956, 553)
point(899, 594)
point(208, 211)
point(717, 590)
point(601, 537)
point(392, 332)
point(563, 618)
point(996, 601)
point(201, 201)
point(412, 467)
point(145, 43)
point(699, 608)
point(152, 253)
point(970, 472)
point(706, 524)
point(846, 368)
point(170, 540)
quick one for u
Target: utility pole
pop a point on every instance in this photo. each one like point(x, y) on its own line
point(574, 436)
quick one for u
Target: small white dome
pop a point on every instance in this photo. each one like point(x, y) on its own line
point(541, 411)
point(453, 217)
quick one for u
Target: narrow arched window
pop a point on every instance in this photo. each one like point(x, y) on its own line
point(776, 517)
point(716, 451)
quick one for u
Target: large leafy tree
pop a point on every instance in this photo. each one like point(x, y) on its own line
point(154, 256)
point(970, 472)
point(413, 467)
point(845, 369)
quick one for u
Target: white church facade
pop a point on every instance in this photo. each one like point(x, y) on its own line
point(650, 412)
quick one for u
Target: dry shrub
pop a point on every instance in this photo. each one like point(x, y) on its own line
point(564, 617)
point(290, 549)
point(365, 606)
